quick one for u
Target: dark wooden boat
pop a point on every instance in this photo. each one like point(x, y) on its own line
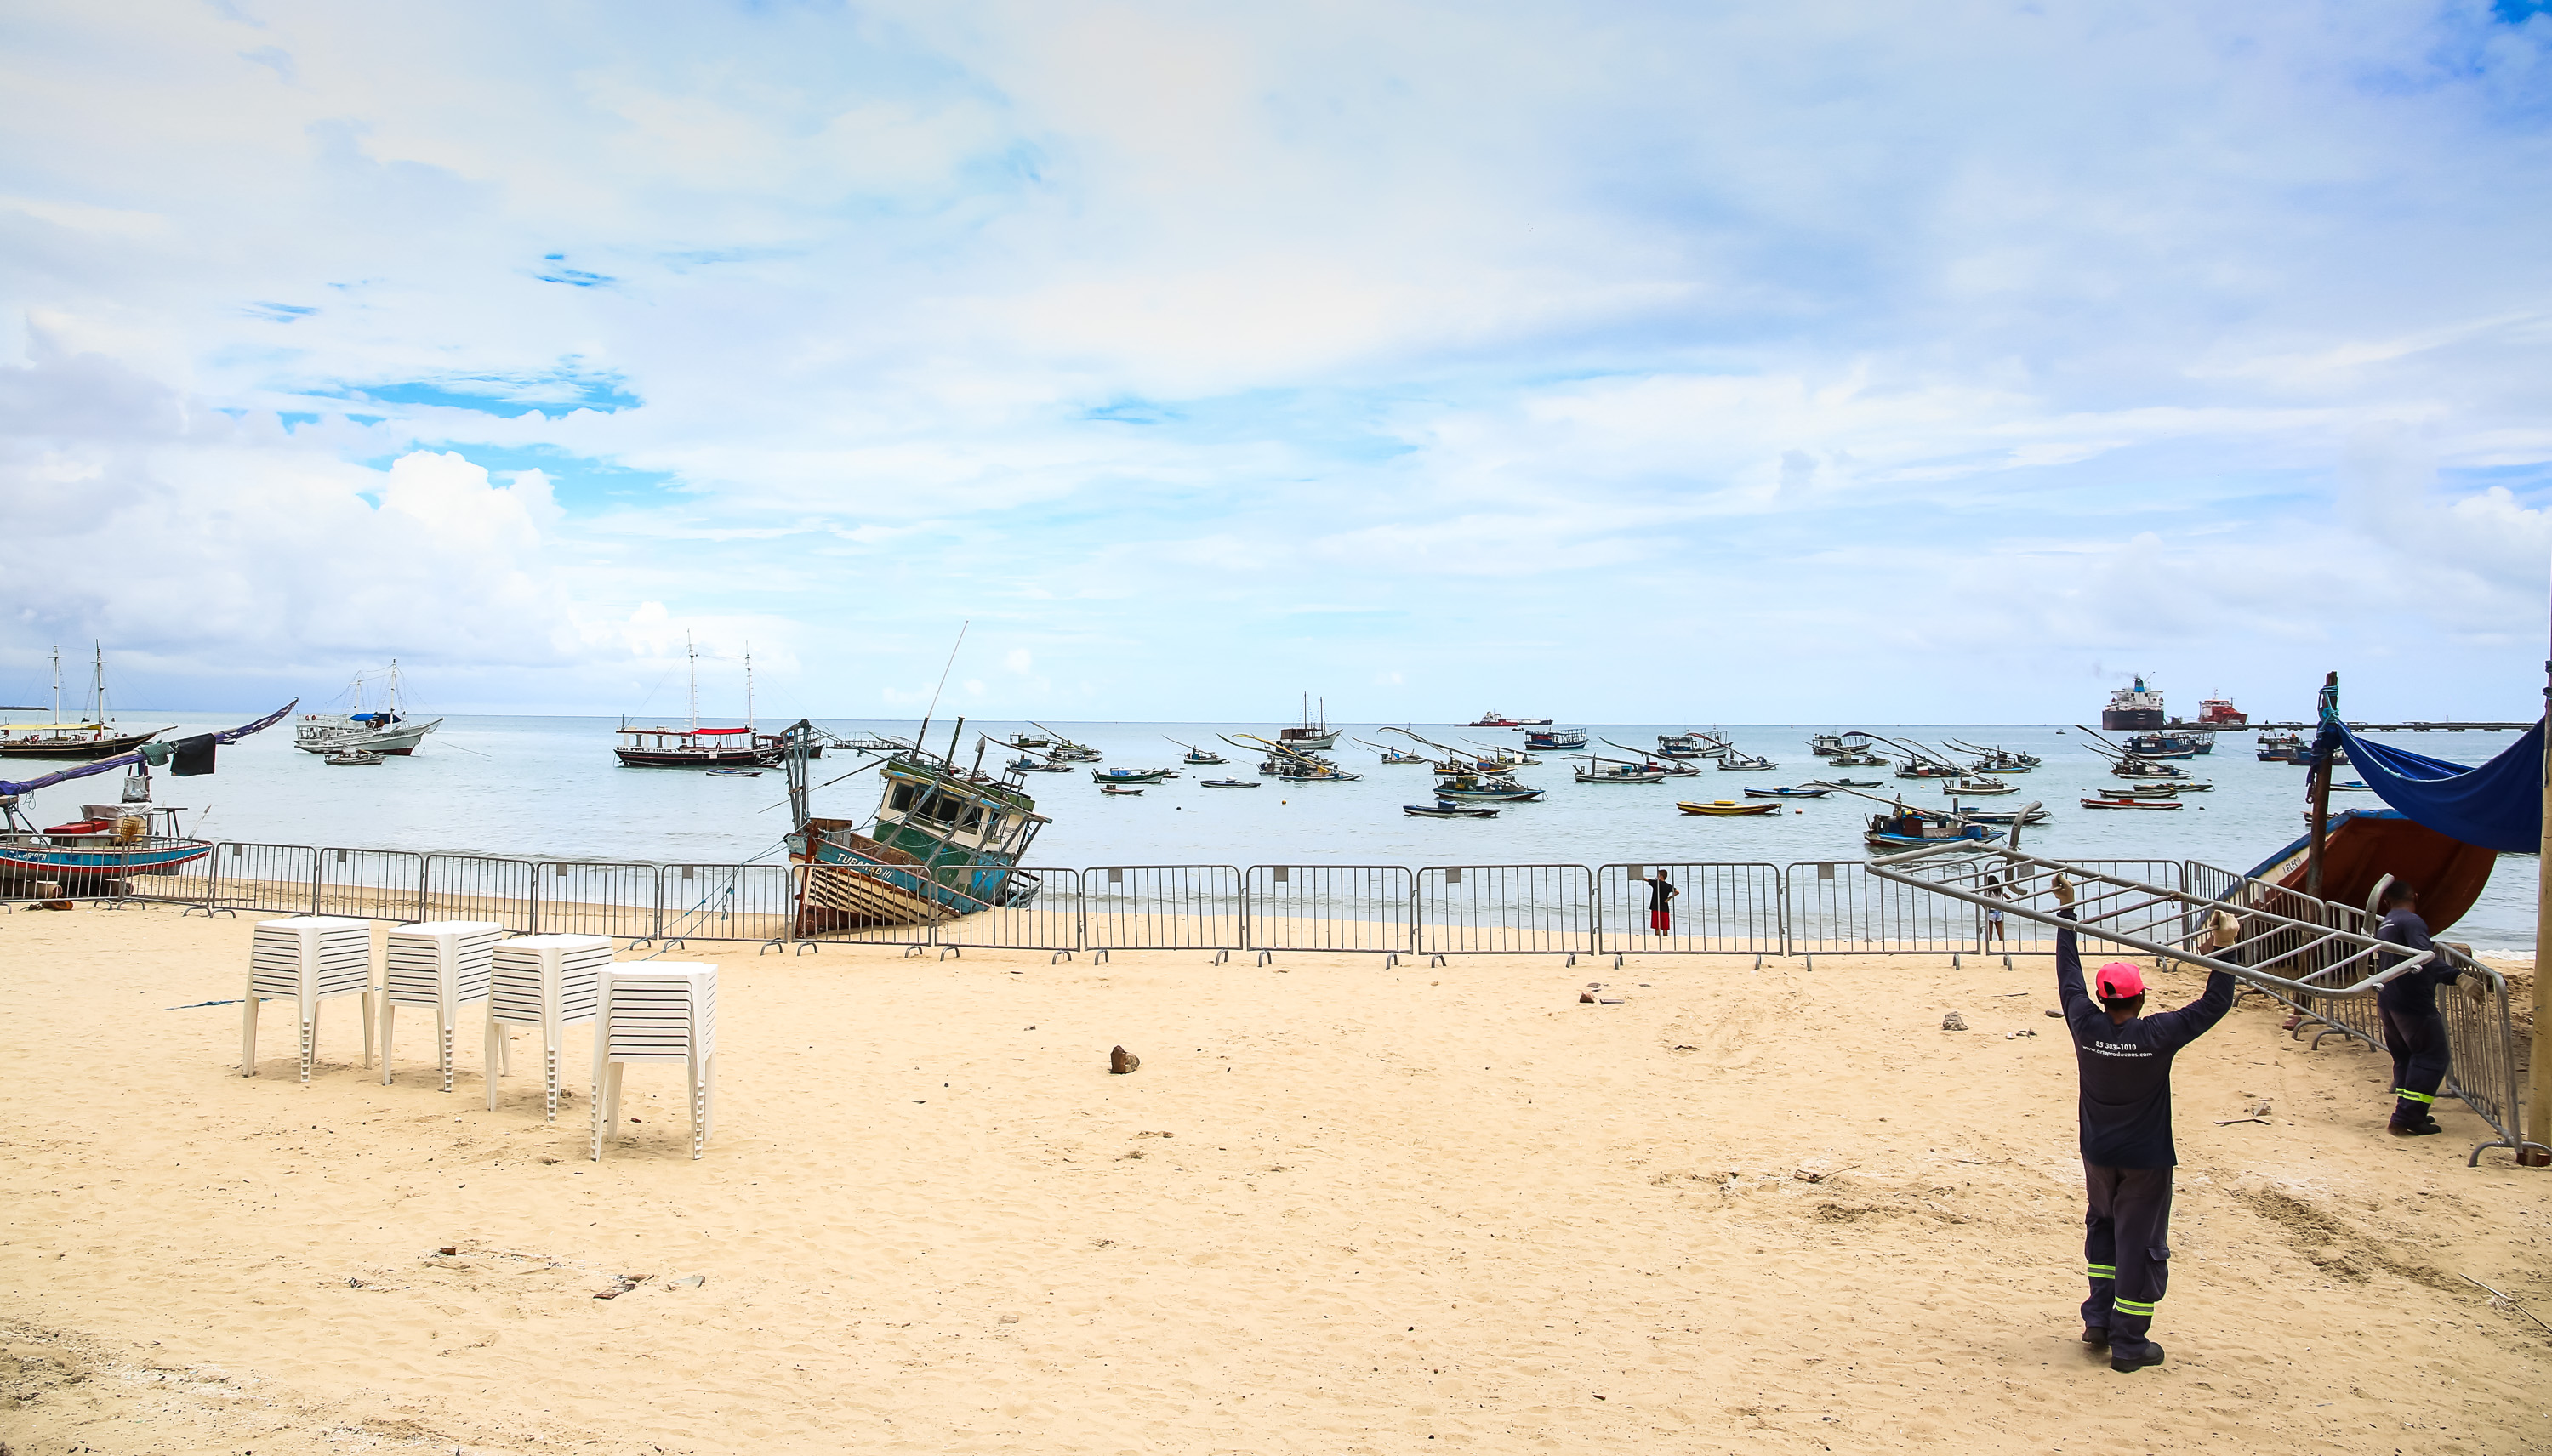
point(696, 748)
point(69, 741)
point(2364, 844)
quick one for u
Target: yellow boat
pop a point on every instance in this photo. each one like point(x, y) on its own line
point(1729, 809)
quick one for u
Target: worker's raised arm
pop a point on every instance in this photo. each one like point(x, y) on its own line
point(2069, 956)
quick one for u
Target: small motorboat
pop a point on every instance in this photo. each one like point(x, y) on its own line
point(1907, 828)
point(1227, 783)
point(1846, 782)
point(1200, 757)
point(1976, 788)
point(1119, 788)
point(2146, 790)
point(1474, 788)
point(735, 773)
point(1603, 770)
point(1999, 816)
point(1027, 764)
point(353, 758)
point(2140, 801)
point(1735, 760)
point(1444, 808)
point(1728, 808)
point(1554, 739)
point(1787, 792)
point(1130, 776)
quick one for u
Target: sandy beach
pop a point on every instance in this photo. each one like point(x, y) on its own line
point(1338, 1208)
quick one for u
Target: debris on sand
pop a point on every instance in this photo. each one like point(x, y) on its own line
point(1954, 1022)
point(1122, 1061)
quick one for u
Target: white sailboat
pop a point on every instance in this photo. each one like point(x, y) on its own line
point(381, 730)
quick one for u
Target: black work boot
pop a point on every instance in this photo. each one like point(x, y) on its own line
point(2127, 1359)
point(2096, 1336)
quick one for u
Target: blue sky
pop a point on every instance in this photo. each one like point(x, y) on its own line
point(1789, 362)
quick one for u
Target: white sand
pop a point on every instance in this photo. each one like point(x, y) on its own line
point(1340, 1210)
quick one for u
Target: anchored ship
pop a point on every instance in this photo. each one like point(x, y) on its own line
point(381, 730)
point(2134, 707)
point(86, 738)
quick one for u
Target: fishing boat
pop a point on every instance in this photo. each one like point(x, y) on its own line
point(1391, 755)
point(1227, 783)
point(1037, 740)
point(1119, 788)
point(2281, 748)
point(2000, 817)
point(1749, 762)
point(1827, 744)
point(1996, 759)
point(2134, 707)
point(735, 773)
point(1492, 759)
point(1555, 740)
point(1310, 737)
point(2147, 790)
point(89, 736)
point(1485, 787)
point(1728, 810)
point(1787, 792)
point(1448, 809)
point(1065, 749)
point(1130, 776)
point(129, 838)
point(1905, 828)
point(1977, 789)
point(1294, 765)
point(1025, 764)
point(1692, 743)
point(2133, 802)
point(1606, 771)
point(386, 729)
point(1195, 756)
point(1847, 783)
point(354, 757)
point(1495, 720)
point(693, 747)
point(1862, 760)
point(1671, 767)
point(2362, 846)
point(2177, 744)
point(944, 841)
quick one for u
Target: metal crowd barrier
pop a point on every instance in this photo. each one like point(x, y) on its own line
point(1044, 915)
point(580, 898)
point(275, 877)
point(1838, 908)
point(1161, 907)
point(1327, 907)
point(370, 884)
point(475, 888)
point(1718, 910)
point(1505, 910)
point(725, 903)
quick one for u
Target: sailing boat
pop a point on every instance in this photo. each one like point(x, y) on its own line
point(696, 747)
point(383, 730)
point(1310, 737)
point(93, 738)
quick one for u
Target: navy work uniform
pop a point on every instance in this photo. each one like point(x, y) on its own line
point(2127, 1151)
point(2414, 1032)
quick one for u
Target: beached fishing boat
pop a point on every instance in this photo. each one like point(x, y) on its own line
point(89, 735)
point(1726, 810)
point(2134, 801)
point(386, 729)
point(1787, 792)
point(127, 839)
point(1448, 809)
point(1555, 740)
point(944, 841)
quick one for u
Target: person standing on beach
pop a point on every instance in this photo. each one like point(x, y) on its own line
point(2124, 1058)
point(1998, 892)
point(2414, 1032)
point(1661, 892)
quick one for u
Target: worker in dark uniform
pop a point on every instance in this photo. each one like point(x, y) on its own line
point(2414, 1032)
point(2124, 1057)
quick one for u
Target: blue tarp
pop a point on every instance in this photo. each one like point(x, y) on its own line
point(2498, 805)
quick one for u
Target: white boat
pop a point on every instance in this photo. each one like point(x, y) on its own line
point(381, 730)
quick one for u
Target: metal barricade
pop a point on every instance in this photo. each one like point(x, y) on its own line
point(1161, 907)
point(1328, 907)
point(475, 887)
point(1041, 912)
point(596, 897)
point(371, 884)
point(138, 877)
point(725, 902)
point(1718, 910)
point(2022, 936)
point(1838, 908)
point(278, 878)
point(1505, 910)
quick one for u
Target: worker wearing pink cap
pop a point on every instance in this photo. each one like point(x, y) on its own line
point(2124, 1058)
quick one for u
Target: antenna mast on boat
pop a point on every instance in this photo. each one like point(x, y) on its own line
point(924, 730)
point(694, 653)
point(57, 685)
point(748, 687)
point(97, 680)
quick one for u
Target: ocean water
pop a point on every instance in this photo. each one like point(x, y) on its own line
point(549, 788)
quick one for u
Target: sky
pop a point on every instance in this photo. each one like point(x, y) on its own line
point(1770, 363)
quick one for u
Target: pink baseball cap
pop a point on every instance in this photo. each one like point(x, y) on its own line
point(2118, 979)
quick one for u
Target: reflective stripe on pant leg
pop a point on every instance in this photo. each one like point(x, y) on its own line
point(2408, 1095)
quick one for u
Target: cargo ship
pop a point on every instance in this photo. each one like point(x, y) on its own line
point(2219, 712)
point(2135, 707)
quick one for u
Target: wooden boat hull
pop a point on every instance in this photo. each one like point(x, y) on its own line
point(1729, 810)
point(1786, 792)
point(1440, 811)
point(2133, 803)
point(713, 757)
point(23, 864)
point(2364, 844)
point(75, 748)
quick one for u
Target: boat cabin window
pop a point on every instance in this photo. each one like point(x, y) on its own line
point(902, 798)
point(972, 818)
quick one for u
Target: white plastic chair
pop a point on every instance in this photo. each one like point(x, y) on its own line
point(443, 964)
point(546, 981)
point(656, 1011)
point(306, 960)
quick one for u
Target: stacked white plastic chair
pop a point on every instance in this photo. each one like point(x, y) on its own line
point(442, 963)
point(307, 960)
point(656, 1011)
point(548, 983)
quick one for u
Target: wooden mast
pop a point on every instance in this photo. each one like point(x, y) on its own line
point(2539, 1123)
point(2320, 798)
